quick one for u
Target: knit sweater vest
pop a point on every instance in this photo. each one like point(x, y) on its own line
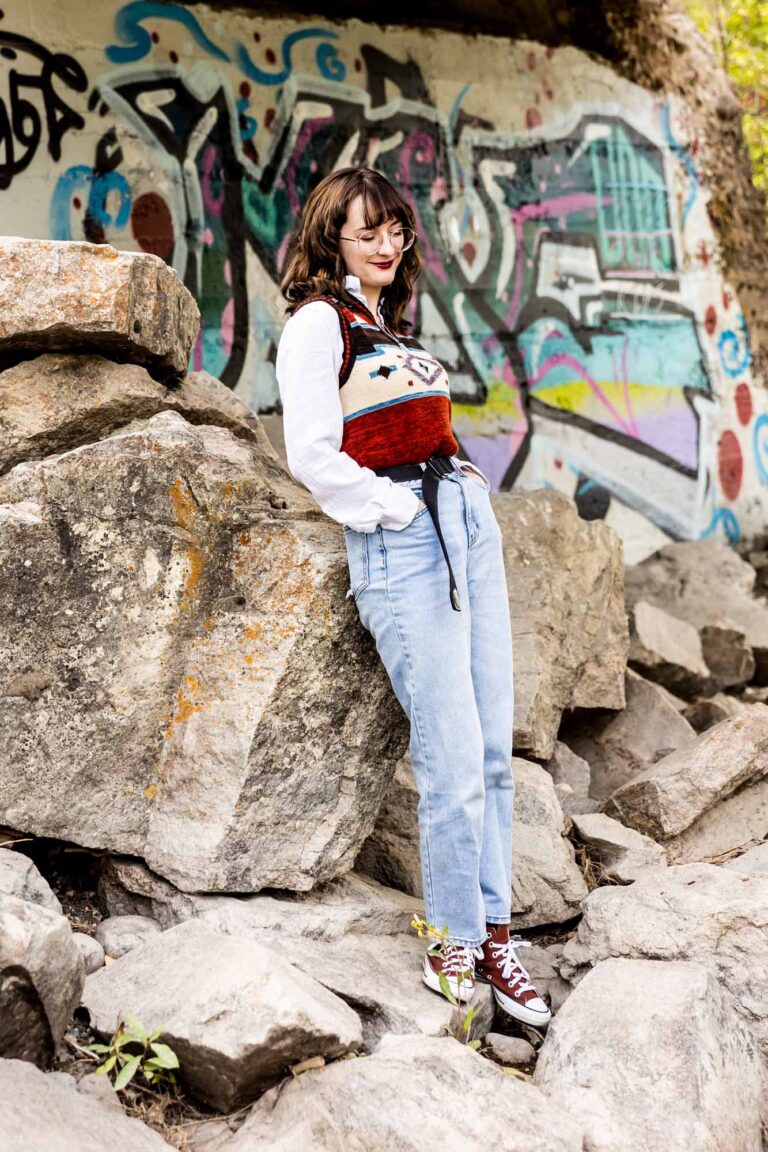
point(394, 396)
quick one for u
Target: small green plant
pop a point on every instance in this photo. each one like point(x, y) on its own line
point(132, 1049)
point(461, 1031)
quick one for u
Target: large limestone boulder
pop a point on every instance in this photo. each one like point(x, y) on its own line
point(569, 626)
point(61, 400)
point(620, 852)
point(380, 976)
point(705, 583)
point(73, 296)
point(351, 903)
point(667, 650)
point(236, 1013)
point(42, 1112)
point(652, 1054)
point(669, 796)
point(391, 852)
point(41, 978)
point(697, 912)
point(414, 1095)
point(619, 746)
point(185, 679)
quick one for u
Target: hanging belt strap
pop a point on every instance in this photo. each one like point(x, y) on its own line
point(436, 469)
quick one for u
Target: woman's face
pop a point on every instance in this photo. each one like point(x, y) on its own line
point(377, 269)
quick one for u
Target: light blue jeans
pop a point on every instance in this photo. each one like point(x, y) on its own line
point(452, 673)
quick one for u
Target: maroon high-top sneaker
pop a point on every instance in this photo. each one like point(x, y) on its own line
point(451, 961)
point(499, 966)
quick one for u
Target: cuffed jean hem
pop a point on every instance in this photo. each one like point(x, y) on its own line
point(462, 942)
point(498, 919)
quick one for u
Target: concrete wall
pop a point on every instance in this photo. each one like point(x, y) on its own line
point(572, 281)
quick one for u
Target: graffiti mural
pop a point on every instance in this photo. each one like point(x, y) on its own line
point(570, 276)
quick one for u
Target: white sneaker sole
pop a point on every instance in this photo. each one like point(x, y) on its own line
point(519, 1012)
point(432, 980)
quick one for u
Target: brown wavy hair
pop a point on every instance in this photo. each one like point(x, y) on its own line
point(315, 267)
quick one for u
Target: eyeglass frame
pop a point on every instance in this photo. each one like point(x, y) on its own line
point(405, 248)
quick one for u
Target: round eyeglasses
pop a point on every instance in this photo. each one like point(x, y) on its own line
point(401, 240)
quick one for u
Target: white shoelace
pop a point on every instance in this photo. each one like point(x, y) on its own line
point(458, 959)
point(507, 960)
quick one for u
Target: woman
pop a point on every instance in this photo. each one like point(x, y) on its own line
point(365, 408)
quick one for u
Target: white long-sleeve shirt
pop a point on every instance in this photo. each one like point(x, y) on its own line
point(309, 359)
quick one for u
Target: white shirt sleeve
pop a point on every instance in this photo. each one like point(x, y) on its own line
point(309, 359)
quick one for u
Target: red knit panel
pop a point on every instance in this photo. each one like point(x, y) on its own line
point(406, 433)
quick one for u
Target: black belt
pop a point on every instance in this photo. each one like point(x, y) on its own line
point(435, 470)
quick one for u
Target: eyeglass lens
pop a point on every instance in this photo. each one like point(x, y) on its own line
point(399, 238)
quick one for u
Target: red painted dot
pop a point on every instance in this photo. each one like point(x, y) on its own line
point(270, 55)
point(532, 118)
point(173, 57)
point(245, 89)
point(358, 65)
point(558, 463)
point(726, 299)
point(730, 464)
point(76, 202)
point(548, 90)
point(530, 60)
point(152, 225)
point(155, 38)
point(743, 400)
point(710, 320)
point(269, 117)
point(257, 36)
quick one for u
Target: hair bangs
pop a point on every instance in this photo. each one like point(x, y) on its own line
point(381, 203)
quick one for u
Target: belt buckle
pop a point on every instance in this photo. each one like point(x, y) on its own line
point(440, 465)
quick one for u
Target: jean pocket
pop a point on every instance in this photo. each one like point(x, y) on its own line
point(357, 560)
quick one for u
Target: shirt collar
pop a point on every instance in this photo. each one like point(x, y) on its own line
point(352, 285)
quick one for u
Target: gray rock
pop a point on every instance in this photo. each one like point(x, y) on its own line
point(565, 767)
point(753, 862)
point(697, 912)
point(19, 877)
point(619, 746)
point(651, 1054)
point(542, 965)
point(413, 1094)
point(42, 1112)
point(622, 852)
point(704, 714)
point(667, 650)
point(391, 852)
point(352, 903)
point(236, 1013)
point(547, 884)
point(733, 824)
point(118, 934)
point(380, 977)
point(41, 978)
point(705, 583)
point(71, 296)
point(90, 950)
point(212, 703)
point(512, 1050)
point(59, 401)
point(666, 798)
point(565, 578)
point(727, 655)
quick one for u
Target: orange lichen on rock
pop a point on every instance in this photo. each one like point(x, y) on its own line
point(188, 702)
point(185, 510)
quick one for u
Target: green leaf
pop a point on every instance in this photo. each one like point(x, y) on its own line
point(135, 1028)
point(473, 1044)
point(469, 1017)
point(98, 1047)
point(165, 1056)
point(445, 988)
point(127, 1072)
point(106, 1066)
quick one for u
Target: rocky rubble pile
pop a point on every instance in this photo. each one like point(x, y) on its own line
point(186, 694)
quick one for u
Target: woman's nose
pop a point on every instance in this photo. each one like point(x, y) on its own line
point(386, 245)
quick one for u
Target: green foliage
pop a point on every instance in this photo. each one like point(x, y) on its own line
point(738, 33)
point(132, 1049)
point(462, 1030)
